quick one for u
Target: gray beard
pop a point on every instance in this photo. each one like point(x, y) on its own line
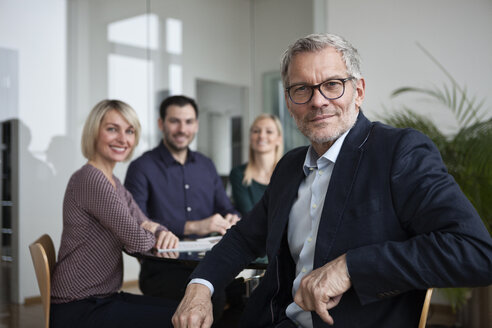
point(347, 124)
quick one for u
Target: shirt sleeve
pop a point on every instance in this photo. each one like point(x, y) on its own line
point(222, 203)
point(203, 282)
point(136, 182)
point(240, 194)
point(98, 196)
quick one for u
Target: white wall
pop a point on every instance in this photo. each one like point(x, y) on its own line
point(457, 33)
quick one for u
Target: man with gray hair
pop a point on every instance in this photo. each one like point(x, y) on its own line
point(357, 225)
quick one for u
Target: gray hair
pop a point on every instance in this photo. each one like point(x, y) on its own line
point(318, 42)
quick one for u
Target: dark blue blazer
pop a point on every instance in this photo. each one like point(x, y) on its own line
point(390, 206)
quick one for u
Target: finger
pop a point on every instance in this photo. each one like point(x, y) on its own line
point(197, 320)
point(326, 317)
point(177, 320)
point(165, 242)
point(333, 302)
point(207, 323)
point(322, 311)
point(175, 242)
point(217, 216)
point(305, 295)
point(232, 218)
point(160, 239)
point(299, 300)
point(169, 240)
point(222, 226)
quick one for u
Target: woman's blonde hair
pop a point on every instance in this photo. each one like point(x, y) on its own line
point(95, 118)
point(279, 150)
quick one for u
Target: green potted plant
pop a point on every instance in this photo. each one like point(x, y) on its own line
point(467, 151)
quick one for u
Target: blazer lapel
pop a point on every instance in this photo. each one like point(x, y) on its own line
point(341, 182)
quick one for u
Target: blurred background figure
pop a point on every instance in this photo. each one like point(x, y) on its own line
point(266, 146)
point(100, 220)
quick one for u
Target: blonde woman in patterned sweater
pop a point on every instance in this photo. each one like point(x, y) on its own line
point(100, 219)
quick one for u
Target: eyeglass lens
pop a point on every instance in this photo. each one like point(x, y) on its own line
point(330, 89)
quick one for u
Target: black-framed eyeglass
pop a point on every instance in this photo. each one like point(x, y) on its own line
point(330, 89)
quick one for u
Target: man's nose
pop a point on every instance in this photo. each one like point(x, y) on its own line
point(181, 127)
point(318, 100)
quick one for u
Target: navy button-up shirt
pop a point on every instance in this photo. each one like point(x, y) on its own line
point(171, 193)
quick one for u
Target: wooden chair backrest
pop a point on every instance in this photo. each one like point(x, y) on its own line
point(425, 308)
point(44, 257)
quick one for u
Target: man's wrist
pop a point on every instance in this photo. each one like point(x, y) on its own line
point(189, 228)
point(203, 282)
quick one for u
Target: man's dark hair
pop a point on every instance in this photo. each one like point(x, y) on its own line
point(180, 101)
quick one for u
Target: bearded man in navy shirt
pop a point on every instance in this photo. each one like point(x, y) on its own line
point(180, 189)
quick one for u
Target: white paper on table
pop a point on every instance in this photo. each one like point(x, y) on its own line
point(199, 245)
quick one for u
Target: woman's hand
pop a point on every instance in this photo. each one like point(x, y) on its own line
point(150, 226)
point(166, 240)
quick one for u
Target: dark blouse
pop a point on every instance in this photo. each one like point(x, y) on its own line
point(244, 197)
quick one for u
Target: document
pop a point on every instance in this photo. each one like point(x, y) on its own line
point(199, 245)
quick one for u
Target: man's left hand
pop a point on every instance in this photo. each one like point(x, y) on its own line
point(323, 288)
point(232, 218)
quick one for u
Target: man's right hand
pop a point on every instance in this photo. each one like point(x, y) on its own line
point(195, 309)
point(214, 223)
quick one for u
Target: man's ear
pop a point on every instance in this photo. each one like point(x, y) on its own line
point(287, 102)
point(160, 124)
point(361, 92)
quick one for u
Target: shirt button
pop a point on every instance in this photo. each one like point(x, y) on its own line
point(187, 186)
point(310, 169)
point(320, 172)
point(314, 205)
point(310, 239)
point(188, 209)
point(303, 270)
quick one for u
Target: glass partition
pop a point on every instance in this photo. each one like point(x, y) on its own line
point(215, 51)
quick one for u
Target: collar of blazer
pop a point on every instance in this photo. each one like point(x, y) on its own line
point(288, 175)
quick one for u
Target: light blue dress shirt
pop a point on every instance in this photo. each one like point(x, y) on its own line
point(303, 227)
point(304, 219)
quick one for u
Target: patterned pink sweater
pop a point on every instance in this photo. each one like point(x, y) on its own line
point(99, 221)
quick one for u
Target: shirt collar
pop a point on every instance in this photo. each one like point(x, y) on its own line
point(168, 157)
point(312, 161)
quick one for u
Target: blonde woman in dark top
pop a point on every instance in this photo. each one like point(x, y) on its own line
point(100, 220)
point(266, 146)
